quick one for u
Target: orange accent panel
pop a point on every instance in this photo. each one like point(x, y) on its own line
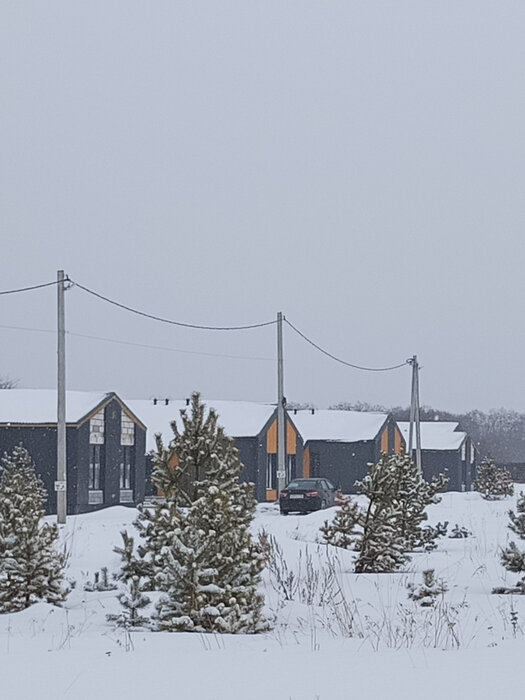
point(306, 462)
point(271, 494)
point(271, 439)
point(384, 441)
point(398, 444)
point(291, 439)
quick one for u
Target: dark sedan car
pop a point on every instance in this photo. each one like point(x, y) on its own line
point(306, 495)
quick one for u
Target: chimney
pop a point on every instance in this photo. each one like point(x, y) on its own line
point(313, 411)
point(187, 402)
point(295, 411)
point(166, 402)
point(154, 402)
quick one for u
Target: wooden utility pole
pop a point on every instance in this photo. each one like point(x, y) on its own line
point(61, 482)
point(281, 456)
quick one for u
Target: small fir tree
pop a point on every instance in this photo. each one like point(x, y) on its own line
point(429, 591)
point(512, 558)
point(517, 519)
point(414, 494)
point(382, 545)
point(30, 567)
point(342, 531)
point(493, 482)
point(202, 557)
point(131, 595)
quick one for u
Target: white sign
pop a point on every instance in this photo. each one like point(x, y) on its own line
point(60, 485)
point(281, 474)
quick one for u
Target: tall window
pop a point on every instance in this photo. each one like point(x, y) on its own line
point(95, 468)
point(271, 471)
point(126, 466)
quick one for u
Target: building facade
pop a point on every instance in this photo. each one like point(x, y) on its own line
point(105, 445)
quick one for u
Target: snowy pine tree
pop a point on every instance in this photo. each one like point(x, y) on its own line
point(427, 593)
point(517, 520)
point(202, 557)
point(414, 494)
point(382, 546)
point(493, 482)
point(512, 558)
point(30, 568)
point(342, 532)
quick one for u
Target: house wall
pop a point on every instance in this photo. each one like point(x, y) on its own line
point(460, 468)
point(113, 452)
point(342, 463)
point(41, 443)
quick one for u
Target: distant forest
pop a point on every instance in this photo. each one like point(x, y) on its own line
point(500, 433)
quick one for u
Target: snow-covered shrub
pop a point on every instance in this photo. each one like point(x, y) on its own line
point(31, 569)
point(493, 482)
point(429, 591)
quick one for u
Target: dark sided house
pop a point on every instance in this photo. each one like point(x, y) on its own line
point(105, 444)
point(253, 427)
point(445, 448)
point(340, 445)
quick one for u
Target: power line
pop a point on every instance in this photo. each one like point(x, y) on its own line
point(28, 289)
point(170, 321)
point(343, 362)
point(140, 345)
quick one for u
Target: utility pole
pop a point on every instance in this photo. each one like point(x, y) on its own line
point(414, 414)
point(281, 467)
point(61, 482)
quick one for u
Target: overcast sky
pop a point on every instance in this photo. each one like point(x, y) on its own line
point(359, 166)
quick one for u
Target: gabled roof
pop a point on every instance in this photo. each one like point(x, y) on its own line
point(39, 406)
point(338, 426)
point(435, 435)
point(238, 418)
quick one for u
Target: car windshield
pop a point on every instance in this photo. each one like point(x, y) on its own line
point(303, 484)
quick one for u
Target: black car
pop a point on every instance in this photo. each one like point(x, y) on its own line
point(306, 495)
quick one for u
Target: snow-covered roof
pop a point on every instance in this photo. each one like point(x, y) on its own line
point(40, 405)
point(238, 418)
point(435, 435)
point(338, 426)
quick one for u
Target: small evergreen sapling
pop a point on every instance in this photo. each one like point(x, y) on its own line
point(342, 531)
point(30, 567)
point(131, 595)
point(512, 558)
point(429, 591)
point(517, 520)
point(493, 482)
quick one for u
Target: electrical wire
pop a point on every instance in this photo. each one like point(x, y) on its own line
point(188, 325)
point(343, 362)
point(167, 320)
point(140, 345)
point(161, 347)
point(28, 289)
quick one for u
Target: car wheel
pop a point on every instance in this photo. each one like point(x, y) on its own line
point(284, 512)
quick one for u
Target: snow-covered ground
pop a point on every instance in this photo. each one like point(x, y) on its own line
point(336, 634)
